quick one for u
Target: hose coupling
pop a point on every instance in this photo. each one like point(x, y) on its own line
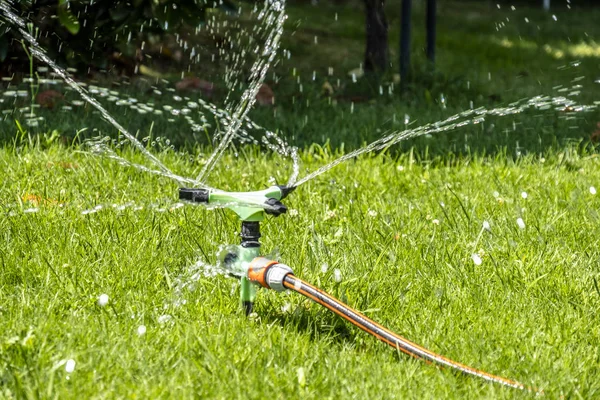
point(268, 273)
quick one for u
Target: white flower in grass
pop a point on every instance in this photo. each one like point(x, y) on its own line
point(486, 226)
point(372, 213)
point(286, 308)
point(524, 195)
point(592, 190)
point(103, 300)
point(476, 259)
point(521, 223)
point(70, 366)
point(435, 222)
point(337, 275)
point(293, 212)
point(141, 330)
point(329, 214)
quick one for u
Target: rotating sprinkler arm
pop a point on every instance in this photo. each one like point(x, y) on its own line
point(249, 206)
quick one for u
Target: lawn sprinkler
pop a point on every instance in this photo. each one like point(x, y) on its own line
point(244, 261)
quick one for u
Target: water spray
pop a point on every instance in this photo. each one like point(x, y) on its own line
point(245, 262)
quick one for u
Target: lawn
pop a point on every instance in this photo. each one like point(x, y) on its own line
point(393, 237)
point(480, 244)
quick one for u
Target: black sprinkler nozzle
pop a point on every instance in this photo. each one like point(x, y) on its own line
point(275, 207)
point(286, 190)
point(194, 195)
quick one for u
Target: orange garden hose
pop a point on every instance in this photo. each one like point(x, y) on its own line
point(296, 284)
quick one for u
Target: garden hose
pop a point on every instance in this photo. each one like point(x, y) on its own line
point(273, 275)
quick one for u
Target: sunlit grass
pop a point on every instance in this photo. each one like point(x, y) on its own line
point(453, 256)
point(558, 51)
point(582, 49)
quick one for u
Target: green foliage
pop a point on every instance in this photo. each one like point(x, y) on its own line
point(83, 32)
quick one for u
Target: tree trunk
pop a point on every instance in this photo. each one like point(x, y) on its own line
point(376, 54)
point(405, 28)
point(430, 24)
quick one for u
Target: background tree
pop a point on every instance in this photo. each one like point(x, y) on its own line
point(376, 53)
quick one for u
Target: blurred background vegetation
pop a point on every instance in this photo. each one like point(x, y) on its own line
point(488, 54)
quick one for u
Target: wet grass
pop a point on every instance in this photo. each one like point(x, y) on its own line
point(400, 230)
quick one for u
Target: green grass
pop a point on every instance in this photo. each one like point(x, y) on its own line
point(401, 230)
point(401, 227)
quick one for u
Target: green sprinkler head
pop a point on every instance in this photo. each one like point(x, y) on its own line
point(249, 206)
